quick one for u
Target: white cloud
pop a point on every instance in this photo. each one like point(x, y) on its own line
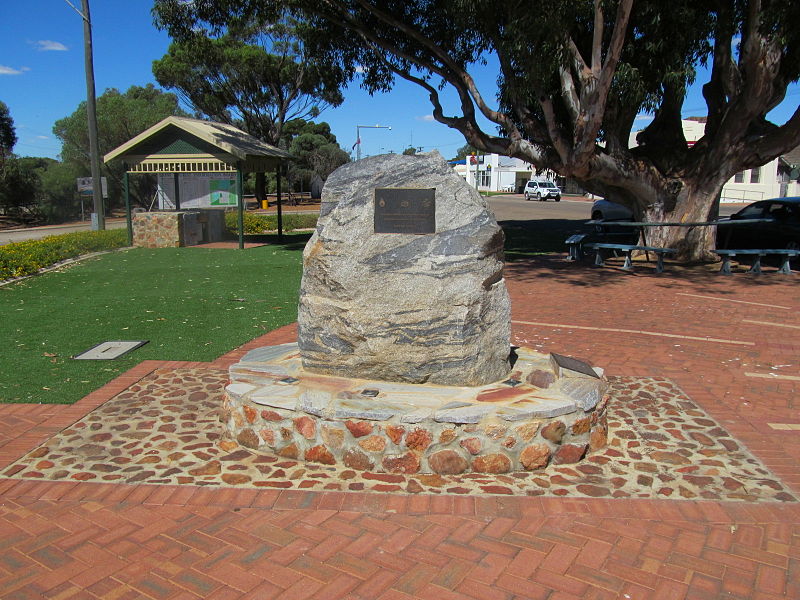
point(426, 118)
point(45, 45)
point(643, 118)
point(361, 69)
point(42, 137)
point(4, 70)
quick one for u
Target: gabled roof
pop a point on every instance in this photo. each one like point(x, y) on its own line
point(177, 141)
point(792, 157)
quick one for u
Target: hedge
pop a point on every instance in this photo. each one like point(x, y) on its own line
point(255, 224)
point(25, 258)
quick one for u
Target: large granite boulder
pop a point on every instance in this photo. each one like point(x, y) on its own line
point(416, 308)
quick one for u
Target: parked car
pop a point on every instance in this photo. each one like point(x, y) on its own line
point(605, 210)
point(542, 190)
point(782, 230)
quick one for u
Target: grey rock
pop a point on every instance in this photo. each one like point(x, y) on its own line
point(315, 402)
point(276, 396)
point(429, 308)
point(268, 353)
point(586, 393)
point(472, 413)
point(236, 391)
point(417, 416)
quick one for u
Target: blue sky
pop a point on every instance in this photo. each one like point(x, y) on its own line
point(42, 79)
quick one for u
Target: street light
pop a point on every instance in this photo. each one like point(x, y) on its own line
point(358, 135)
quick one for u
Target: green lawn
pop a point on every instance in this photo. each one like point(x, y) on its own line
point(190, 303)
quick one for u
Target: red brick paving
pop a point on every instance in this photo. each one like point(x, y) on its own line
point(88, 540)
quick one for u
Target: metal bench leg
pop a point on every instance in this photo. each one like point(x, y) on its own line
point(786, 268)
point(756, 266)
point(659, 262)
point(598, 258)
point(628, 266)
point(726, 265)
point(573, 252)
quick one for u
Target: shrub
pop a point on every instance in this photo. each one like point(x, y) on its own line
point(24, 258)
point(255, 224)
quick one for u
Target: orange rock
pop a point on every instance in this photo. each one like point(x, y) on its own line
point(359, 428)
point(527, 431)
point(535, 456)
point(492, 463)
point(395, 432)
point(472, 445)
point(407, 463)
point(320, 454)
point(419, 439)
point(306, 427)
point(228, 445)
point(249, 413)
point(290, 451)
point(581, 425)
point(447, 436)
point(447, 462)
point(374, 443)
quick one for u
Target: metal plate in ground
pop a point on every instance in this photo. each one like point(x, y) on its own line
point(573, 364)
point(110, 350)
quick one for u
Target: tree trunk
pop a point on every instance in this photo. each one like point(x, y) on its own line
point(693, 204)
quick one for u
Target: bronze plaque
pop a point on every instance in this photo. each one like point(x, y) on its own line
point(405, 210)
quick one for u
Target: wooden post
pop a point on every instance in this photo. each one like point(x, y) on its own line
point(126, 193)
point(240, 190)
point(175, 180)
point(280, 213)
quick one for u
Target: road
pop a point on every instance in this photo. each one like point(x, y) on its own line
point(516, 208)
point(35, 233)
point(506, 208)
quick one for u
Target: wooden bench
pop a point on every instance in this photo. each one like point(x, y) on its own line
point(628, 248)
point(786, 255)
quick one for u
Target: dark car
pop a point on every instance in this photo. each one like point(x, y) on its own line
point(781, 229)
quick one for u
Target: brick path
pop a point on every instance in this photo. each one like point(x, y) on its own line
point(732, 345)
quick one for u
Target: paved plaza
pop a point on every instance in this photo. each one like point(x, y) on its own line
point(133, 492)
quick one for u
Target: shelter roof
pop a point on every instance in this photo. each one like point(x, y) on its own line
point(180, 144)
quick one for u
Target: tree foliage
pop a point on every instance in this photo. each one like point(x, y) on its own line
point(8, 135)
point(120, 117)
point(572, 78)
point(257, 79)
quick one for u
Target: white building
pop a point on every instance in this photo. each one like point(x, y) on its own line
point(771, 180)
point(495, 173)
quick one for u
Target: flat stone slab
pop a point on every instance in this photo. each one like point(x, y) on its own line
point(278, 380)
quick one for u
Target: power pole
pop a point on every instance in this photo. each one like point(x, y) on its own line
point(91, 115)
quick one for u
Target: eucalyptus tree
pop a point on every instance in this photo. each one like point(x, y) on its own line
point(256, 78)
point(572, 78)
point(8, 134)
point(120, 117)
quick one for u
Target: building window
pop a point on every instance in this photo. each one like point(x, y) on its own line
point(485, 179)
point(755, 175)
point(739, 177)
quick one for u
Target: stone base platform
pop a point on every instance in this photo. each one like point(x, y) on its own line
point(551, 410)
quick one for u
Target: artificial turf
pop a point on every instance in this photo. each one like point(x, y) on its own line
point(192, 304)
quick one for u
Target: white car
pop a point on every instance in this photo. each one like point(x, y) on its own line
point(605, 210)
point(542, 190)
